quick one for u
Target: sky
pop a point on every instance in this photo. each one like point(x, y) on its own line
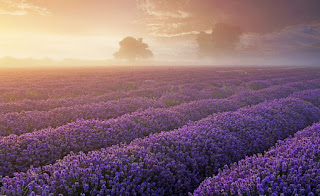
point(252, 31)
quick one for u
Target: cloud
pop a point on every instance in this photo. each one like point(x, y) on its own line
point(220, 42)
point(270, 28)
point(165, 18)
point(292, 39)
point(21, 7)
point(263, 16)
point(165, 8)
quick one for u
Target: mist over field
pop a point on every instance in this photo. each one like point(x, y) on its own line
point(159, 97)
point(179, 32)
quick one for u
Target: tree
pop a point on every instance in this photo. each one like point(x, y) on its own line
point(132, 49)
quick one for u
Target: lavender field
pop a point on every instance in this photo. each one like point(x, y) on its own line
point(160, 131)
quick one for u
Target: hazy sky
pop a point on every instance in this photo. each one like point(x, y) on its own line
point(275, 31)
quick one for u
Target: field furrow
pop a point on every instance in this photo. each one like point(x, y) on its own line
point(46, 146)
point(170, 163)
point(292, 167)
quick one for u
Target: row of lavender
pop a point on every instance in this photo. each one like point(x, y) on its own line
point(24, 122)
point(63, 84)
point(60, 85)
point(290, 168)
point(170, 163)
point(45, 105)
point(18, 153)
point(94, 78)
point(147, 91)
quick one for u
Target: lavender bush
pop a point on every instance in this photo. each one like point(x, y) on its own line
point(45, 146)
point(292, 167)
point(169, 163)
point(159, 131)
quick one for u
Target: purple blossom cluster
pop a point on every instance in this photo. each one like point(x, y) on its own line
point(62, 84)
point(157, 131)
point(292, 167)
point(168, 163)
point(308, 95)
point(45, 105)
point(274, 92)
point(46, 146)
point(149, 92)
point(24, 122)
point(153, 91)
point(258, 84)
point(28, 121)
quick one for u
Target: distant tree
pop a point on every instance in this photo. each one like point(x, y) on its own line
point(132, 49)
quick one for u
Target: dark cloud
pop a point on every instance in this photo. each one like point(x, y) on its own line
point(303, 38)
point(270, 28)
point(295, 45)
point(221, 41)
point(262, 16)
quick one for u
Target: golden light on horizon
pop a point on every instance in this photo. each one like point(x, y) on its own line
point(58, 30)
point(82, 29)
